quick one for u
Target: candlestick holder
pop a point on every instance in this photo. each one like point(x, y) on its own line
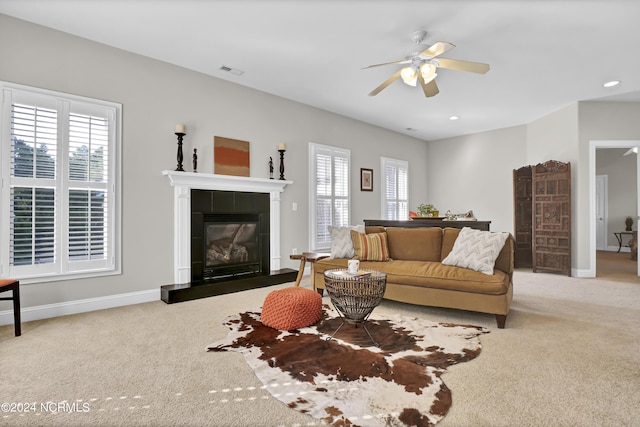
point(282, 164)
point(180, 135)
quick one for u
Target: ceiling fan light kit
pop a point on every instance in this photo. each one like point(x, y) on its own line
point(409, 75)
point(423, 65)
point(428, 72)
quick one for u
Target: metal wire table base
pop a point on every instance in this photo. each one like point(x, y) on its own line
point(355, 297)
point(356, 325)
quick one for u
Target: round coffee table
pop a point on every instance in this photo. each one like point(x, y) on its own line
point(355, 296)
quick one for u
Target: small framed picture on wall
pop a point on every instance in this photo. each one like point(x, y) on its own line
point(366, 179)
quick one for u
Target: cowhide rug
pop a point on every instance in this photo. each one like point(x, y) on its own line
point(347, 381)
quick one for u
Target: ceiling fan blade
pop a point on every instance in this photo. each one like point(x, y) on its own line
point(404, 61)
point(456, 64)
point(437, 49)
point(386, 83)
point(430, 89)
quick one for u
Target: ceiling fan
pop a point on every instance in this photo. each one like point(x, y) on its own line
point(423, 62)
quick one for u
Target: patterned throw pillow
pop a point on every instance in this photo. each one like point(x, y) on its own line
point(370, 247)
point(341, 243)
point(476, 250)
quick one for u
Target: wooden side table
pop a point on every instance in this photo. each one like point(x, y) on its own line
point(312, 257)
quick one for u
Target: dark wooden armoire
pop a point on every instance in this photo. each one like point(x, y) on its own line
point(542, 207)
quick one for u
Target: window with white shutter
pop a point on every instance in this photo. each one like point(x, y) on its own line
point(395, 185)
point(59, 196)
point(329, 202)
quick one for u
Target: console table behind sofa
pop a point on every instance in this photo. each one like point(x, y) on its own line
point(479, 225)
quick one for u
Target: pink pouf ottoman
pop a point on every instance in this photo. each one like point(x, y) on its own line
point(291, 308)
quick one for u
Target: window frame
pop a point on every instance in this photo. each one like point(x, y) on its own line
point(66, 105)
point(398, 164)
point(335, 152)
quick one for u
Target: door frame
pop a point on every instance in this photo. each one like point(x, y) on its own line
point(593, 145)
point(605, 209)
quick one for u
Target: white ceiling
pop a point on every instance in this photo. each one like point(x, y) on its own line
point(544, 54)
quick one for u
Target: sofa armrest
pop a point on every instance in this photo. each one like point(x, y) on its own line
point(504, 262)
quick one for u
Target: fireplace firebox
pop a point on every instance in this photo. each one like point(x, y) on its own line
point(232, 245)
point(229, 235)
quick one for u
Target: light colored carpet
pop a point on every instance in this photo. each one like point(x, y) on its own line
point(569, 356)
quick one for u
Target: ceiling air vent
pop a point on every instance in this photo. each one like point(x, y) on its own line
point(231, 70)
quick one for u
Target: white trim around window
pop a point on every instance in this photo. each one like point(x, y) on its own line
point(394, 189)
point(60, 185)
point(329, 193)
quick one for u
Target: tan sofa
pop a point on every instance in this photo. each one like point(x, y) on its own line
point(416, 275)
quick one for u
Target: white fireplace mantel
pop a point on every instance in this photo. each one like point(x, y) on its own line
point(183, 182)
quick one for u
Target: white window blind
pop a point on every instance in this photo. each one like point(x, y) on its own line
point(395, 184)
point(329, 192)
point(59, 201)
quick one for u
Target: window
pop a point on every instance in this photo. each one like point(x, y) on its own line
point(395, 184)
point(329, 192)
point(59, 198)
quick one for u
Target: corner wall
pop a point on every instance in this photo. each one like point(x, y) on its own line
point(475, 172)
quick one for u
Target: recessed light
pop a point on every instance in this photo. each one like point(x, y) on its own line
point(454, 118)
point(409, 129)
point(612, 83)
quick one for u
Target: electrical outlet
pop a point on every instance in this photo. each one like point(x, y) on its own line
point(294, 206)
point(294, 251)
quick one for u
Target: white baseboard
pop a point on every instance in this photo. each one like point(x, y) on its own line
point(80, 306)
point(583, 273)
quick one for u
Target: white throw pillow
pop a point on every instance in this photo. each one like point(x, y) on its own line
point(476, 250)
point(341, 243)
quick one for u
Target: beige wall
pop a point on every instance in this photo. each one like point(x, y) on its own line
point(554, 137)
point(474, 172)
point(563, 135)
point(155, 97)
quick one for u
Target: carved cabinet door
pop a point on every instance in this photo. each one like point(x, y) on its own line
point(551, 247)
point(523, 217)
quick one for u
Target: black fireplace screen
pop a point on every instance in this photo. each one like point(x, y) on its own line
point(231, 247)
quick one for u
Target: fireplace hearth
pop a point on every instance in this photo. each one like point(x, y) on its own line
point(231, 236)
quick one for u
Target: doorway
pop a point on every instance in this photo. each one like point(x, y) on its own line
point(594, 146)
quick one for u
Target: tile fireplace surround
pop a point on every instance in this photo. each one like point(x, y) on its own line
point(183, 183)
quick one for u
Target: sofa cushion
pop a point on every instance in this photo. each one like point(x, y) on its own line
point(370, 247)
point(415, 244)
point(426, 274)
point(341, 242)
point(476, 250)
point(449, 236)
point(374, 229)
